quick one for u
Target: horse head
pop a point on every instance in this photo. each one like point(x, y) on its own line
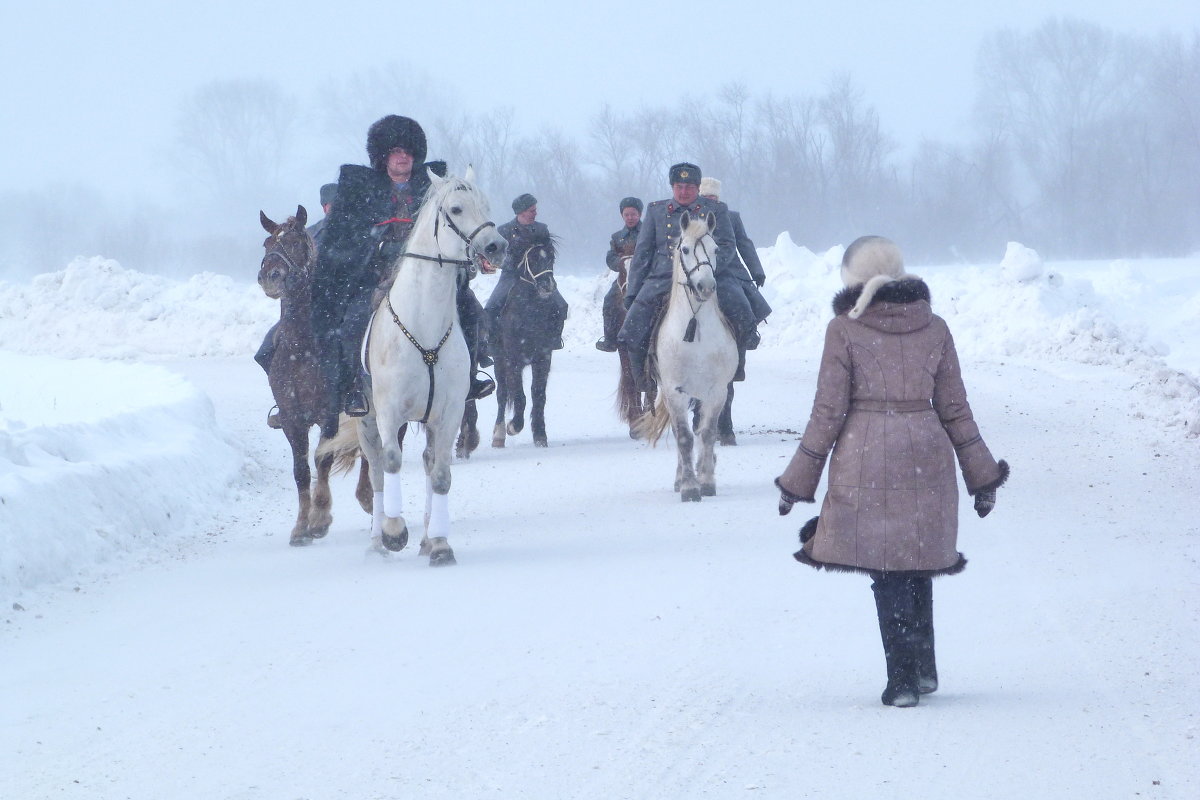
point(463, 209)
point(537, 268)
point(694, 253)
point(290, 253)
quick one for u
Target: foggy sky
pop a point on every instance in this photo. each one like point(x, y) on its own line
point(92, 91)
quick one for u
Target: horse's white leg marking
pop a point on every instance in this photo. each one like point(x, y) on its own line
point(377, 515)
point(393, 496)
point(438, 526)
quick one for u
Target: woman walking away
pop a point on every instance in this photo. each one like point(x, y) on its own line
point(891, 406)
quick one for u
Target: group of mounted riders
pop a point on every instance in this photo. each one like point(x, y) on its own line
point(369, 217)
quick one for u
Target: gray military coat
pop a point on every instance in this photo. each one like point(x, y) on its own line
point(650, 270)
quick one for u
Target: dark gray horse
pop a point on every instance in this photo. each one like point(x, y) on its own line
point(527, 335)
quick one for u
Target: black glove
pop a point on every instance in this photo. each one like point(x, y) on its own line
point(985, 502)
point(760, 282)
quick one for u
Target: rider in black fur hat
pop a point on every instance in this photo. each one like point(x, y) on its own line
point(394, 131)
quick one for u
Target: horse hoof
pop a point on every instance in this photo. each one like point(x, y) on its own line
point(515, 427)
point(634, 434)
point(395, 543)
point(728, 440)
point(426, 548)
point(540, 442)
point(442, 558)
point(708, 489)
point(690, 495)
point(318, 533)
point(497, 443)
point(462, 453)
point(300, 540)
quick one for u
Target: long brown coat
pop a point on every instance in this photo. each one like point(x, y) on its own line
point(891, 405)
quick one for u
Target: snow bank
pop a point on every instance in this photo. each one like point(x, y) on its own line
point(97, 308)
point(99, 459)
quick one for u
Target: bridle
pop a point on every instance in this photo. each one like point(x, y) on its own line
point(281, 252)
point(527, 273)
point(468, 239)
point(693, 293)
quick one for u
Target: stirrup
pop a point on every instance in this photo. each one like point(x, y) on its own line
point(356, 404)
point(481, 387)
point(605, 346)
point(273, 418)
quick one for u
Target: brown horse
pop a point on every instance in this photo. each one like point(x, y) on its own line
point(286, 275)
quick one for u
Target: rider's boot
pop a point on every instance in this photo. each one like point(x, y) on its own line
point(356, 399)
point(606, 345)
point(481, 386)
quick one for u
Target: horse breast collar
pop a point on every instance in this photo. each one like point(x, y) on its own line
point(429, 356)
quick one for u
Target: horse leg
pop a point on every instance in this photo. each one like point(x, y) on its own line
point(468, 433)
point(389, 498)
point(537, 391)
point(320, 515)
point(629, 399)
point(362, 492)
point(372, 456)
point(725, 422)
point(516, 388)
point(706, 461)
point(498, 430)
point(297, 436)
point(437, 495)
point(685, 474)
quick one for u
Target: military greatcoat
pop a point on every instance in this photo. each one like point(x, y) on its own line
point(650, 270)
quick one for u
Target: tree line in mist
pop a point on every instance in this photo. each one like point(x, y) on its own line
point(1084, 143)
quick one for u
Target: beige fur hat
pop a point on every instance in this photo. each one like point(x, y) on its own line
point(871, 261)
point(710, 186)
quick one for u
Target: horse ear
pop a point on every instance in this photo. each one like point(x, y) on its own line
point(301, 216)
point(434, 178)
point(711, 220)
point(684, 221)
point(268, 226)
point(469, 177)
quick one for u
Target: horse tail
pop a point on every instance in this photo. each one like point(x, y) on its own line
point(651, 426)
point(343, 446)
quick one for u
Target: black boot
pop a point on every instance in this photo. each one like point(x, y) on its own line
point(740, 373)
point(637, 366)
point(604, 344)
point(922, 590)
point(894, 606)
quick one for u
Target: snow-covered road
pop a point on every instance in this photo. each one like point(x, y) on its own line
point(600, 639)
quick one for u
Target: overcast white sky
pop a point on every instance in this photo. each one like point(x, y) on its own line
point(91, 90)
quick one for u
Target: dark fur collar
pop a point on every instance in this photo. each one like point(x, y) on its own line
point(906, 291)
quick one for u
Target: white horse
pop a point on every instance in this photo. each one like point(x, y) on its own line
point(696, 358)
point(417, 358)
